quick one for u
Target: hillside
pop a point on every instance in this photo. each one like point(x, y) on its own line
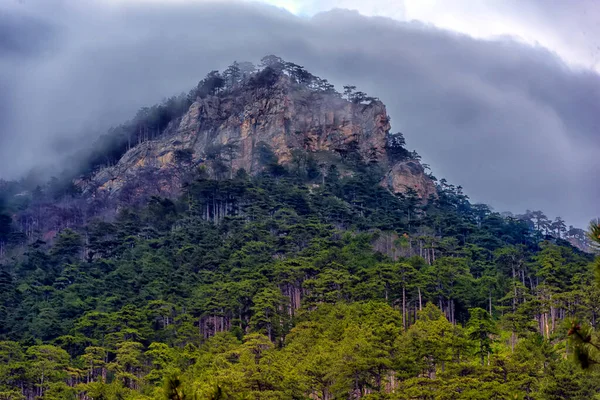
point(265, 237)
point(275, 116)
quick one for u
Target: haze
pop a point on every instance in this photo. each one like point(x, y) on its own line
point(513, 119)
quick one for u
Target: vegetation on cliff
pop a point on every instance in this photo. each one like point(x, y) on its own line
point(300, 281)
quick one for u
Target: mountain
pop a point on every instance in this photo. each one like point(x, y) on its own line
point(266, 237)
point(269, 112)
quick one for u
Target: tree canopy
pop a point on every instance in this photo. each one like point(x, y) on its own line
point(303, 281)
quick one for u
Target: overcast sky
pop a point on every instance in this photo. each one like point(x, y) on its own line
point(501, 97)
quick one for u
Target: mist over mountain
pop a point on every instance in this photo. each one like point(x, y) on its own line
point(497, 116)
point(227, 201)
point(266, 222)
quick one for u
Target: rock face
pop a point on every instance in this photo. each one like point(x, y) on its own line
point(282, 115)
point(406, 175)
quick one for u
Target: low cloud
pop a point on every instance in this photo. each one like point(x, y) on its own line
point(513, 124)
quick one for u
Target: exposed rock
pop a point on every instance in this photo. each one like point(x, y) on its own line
point(284, 115)
point(409, 175)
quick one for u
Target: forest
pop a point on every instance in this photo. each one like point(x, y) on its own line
point(297, 283)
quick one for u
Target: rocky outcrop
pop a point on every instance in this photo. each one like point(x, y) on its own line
point(406, 175)
point(230, 128)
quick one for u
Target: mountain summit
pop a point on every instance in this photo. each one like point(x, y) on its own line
point(253, 120)
point(263, 237)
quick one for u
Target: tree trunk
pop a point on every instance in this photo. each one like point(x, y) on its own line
point(404, 306)
point(513, 339)
point(482, 355)
point(514, 302)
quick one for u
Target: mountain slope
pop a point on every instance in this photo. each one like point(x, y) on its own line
point(246, 241)
point(269, 111)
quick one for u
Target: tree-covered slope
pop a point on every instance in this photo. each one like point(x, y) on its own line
point(302, 280)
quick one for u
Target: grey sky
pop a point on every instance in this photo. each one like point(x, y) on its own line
point(569, 28)
point(512, 123)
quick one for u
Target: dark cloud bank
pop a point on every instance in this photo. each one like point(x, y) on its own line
point(511, 123)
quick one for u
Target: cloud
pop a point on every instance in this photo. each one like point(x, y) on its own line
point(512, 123)
point(569, 28)
point(389, 8)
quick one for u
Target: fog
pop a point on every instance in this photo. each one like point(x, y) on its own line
point(512, 123)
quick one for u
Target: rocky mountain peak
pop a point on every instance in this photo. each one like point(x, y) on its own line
point(280, 115)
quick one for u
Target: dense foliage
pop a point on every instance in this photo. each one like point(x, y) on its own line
point(299, 283)
point(275, 287)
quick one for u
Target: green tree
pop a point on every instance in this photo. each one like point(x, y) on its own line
point(46, 366)
point(267, 312)
point(480, 328)
point(128, 364)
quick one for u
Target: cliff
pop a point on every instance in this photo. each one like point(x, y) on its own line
point(228, 131)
